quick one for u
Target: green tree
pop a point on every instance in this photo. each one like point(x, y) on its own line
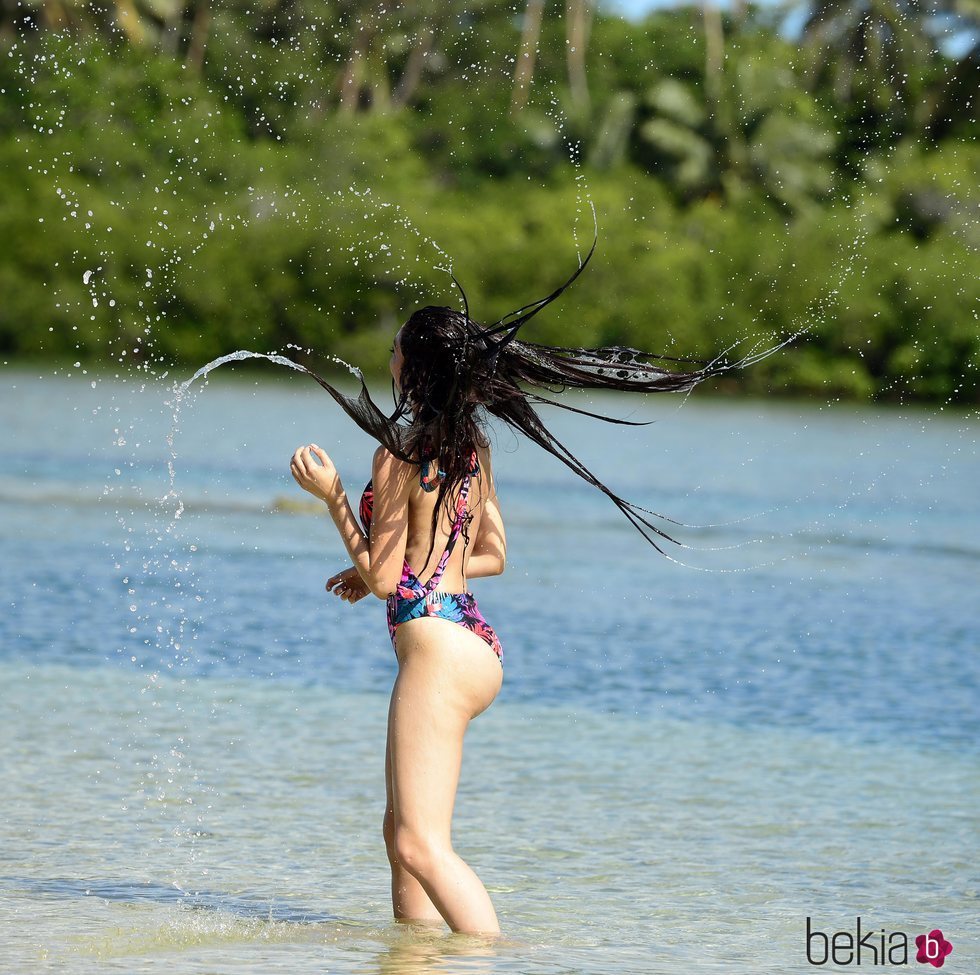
point(765, 132)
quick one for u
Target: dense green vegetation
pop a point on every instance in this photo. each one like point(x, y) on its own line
point(277, 173)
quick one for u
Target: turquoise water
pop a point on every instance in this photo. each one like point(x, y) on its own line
point(683, 765)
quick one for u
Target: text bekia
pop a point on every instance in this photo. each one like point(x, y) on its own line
point(874, 947)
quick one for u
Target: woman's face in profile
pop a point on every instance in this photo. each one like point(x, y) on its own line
point(395, 363)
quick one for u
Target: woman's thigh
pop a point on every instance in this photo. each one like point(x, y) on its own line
point(446, 676)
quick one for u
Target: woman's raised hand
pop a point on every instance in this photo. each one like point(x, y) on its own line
point(321, 480)
point(348, 585)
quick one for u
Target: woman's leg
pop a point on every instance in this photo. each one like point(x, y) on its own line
point(447, 675)
point(409, 901)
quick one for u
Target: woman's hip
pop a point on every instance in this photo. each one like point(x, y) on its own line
point(458, 608)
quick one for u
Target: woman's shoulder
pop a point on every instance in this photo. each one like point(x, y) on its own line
point(385, 461)
point(392, 472)
point(484, 453)
point(384, 464)
point(484, 459)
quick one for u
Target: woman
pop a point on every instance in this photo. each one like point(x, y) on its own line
point(431, 483)
point(449, 658)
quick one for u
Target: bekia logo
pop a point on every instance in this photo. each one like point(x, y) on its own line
point(874, 947)
point(933, 948)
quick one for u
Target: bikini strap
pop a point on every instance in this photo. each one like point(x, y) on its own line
point(430, 482)
point(454, 533)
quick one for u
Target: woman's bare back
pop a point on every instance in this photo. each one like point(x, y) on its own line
point(420, 505)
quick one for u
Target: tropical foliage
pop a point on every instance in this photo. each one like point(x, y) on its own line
point(181, 178)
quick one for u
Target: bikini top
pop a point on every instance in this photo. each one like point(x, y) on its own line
point(410, 581)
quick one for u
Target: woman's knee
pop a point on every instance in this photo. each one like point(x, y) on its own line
point(418, 852)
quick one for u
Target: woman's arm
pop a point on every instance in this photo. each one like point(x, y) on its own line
point(378, 560)
point(481, 566)
point(489, 555)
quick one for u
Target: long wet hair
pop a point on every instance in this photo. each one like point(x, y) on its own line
point(456, 372)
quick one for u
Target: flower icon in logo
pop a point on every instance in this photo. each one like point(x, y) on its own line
point(933, 948)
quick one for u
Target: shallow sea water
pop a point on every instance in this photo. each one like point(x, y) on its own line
point(682, 766)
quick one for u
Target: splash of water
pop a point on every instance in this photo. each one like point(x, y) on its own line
point(181, 389)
